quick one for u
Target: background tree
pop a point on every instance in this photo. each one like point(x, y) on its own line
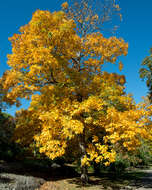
point(146, 73)
point(8, 149)
point(7, 125)
point(2, 95)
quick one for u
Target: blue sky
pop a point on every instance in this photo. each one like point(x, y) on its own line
point(136, 29)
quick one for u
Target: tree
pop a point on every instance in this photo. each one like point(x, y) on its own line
point(73, 102)
point(146, 73)
point(2, 94)
point(1, 97)
point(7, 126)
point(5, 102)
point(93, 15)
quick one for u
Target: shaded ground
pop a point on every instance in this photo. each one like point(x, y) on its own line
point(17, 176)
point(139, 179)
point(75, 184)
point(146, 181)
point(21, 176)
point(109, 181)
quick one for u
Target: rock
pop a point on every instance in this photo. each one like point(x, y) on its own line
point(19, 182)
point(54, 166)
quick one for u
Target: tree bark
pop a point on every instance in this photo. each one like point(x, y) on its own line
point(82, 146)
point(84, 172)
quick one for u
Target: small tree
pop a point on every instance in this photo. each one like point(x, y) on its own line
point(2, 95)
point(146, 73)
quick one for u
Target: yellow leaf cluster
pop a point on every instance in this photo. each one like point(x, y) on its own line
point(65, 5)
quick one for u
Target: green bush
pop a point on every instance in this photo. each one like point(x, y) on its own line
point(8, 148)
point(145, 153)
point(142, 157)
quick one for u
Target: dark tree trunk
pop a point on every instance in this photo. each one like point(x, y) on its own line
point(84, 172)
point(82, 146)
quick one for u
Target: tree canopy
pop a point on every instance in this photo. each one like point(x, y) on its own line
point(74, 103)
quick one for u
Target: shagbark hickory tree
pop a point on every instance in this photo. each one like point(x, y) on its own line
point(75, 106)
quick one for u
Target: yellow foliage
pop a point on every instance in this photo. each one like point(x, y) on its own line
point(120, 66)
point(65, 5)
point(70, 94)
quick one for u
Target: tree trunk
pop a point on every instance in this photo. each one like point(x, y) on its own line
point(82, 145)
point(84, 172)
